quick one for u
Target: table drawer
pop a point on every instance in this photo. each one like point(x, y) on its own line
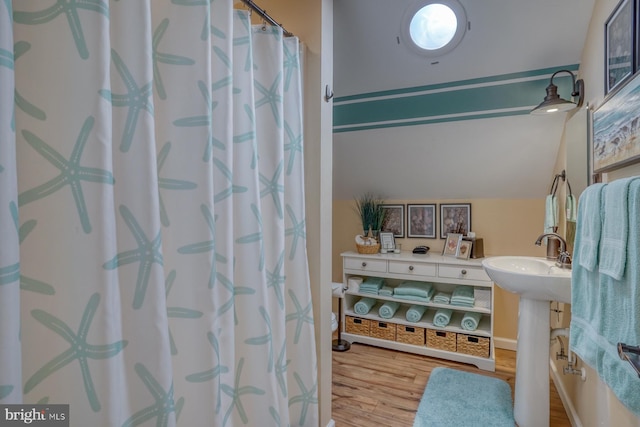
point(377, 265)
point(413, 268)
point(462, 272)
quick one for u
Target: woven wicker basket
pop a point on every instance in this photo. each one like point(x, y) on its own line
point(368, 249)
point(475, 346)
point(383, 330)
point(441, 340)
point(356, 325)
point(410, 335)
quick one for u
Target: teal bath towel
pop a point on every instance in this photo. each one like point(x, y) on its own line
point(388, 309)
point(470, 321)
point(442, 298)
point(364, 305)
point(415, 313)
point(442, 317)
point(412, 298)
point(550, 213)
point(463, 295)
point(371, 285)
point(590, 204)
point(416, 289)
point(386, 291)
point(606, 311)
point(571, 208)
point(615, 228)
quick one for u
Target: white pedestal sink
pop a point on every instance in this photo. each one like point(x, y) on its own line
point(538, 281)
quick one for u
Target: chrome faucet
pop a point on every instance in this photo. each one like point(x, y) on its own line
point(564, 258)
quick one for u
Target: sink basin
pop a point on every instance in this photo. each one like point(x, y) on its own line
point(530, 277)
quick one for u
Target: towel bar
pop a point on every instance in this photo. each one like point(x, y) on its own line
point(630, 354)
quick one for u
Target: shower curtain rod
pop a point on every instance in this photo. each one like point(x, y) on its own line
point(264, 15)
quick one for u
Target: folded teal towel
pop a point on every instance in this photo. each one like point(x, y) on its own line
point(463, 295)
point(470, 321)
point(442, 298)
point(388, 309)
point(373, 282)
point(442, 317)
point(615, 228)
point(416, 289)
point(412, 298)
point(589, 214)
point(371, 285)
point(415, 313)
point(364, 305)
point(386, 291)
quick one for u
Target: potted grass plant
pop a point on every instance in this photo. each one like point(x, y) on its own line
point(371, 213)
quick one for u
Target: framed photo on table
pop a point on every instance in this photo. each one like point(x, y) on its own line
point(387, 241)
point(619, 45)
point(421, 221)
point(464, 249)
point(451, 244)
point(455, 218)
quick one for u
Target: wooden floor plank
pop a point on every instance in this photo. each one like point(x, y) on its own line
point(377, 387)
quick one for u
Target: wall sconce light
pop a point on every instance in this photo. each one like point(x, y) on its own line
point(553, 103)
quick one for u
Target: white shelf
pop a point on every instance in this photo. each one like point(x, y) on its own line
point(445, 273)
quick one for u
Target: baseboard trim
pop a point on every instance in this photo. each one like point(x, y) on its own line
point(505, 343)
point(572, 414)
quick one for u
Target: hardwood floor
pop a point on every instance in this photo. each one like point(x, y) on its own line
point(377, 387)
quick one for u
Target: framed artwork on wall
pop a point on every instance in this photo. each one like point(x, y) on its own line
point(421, 221)
point(455, 218)
point(394, 221)
point(620, 61)
point(616, 129)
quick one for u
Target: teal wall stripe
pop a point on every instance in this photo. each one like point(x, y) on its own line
point(493, 96)
point(435, 120)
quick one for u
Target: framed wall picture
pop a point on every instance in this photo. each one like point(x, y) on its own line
point(451, 244)
point(455, 218)
point(421, 221)
point(394, 222)
point(619, 45)
point(616, 134)
point(464, 249)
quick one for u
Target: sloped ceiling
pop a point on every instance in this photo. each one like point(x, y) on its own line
point(456, 126)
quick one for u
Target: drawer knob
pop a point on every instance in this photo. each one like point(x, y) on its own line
point(464, 271)
point(411, 268)
point(364, 264)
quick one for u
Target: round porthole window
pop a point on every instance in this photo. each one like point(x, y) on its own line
point(434, 27)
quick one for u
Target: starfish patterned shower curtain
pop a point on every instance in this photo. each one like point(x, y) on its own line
point(153, 267)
